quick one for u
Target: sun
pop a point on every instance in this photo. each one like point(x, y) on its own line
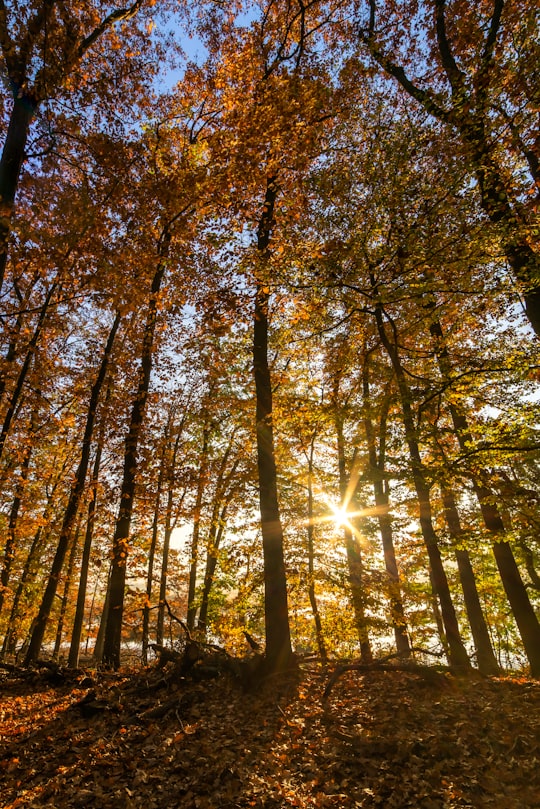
point(340, 516)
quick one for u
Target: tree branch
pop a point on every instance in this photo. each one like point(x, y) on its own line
point(120, 15)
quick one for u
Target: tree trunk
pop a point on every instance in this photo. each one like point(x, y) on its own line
point(11, 163)
point(97, 654)
point(381, 496)
point(113, 630)
point(72, 507)
point(516, 592)
point(457, 652)
point(165, 564)
point(217, 530)
point(65, 595)
point(311, 559)
point(220, 505)
point(11, 542)
point(194, 553)
point(276, 610)
point(485, 656)
point(352, 546)
point(152, 556)
point(73, 658)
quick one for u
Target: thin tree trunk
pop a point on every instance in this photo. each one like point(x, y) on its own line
point(74, 650)
point(221, 502)
point(276, 610)
point(165, 563)
point(217, 530)
point(381, 496)
point(120, 549)
point(152, 556)
point(516, 592)
point(65, 594)
point(354, 554)
point(485, 656)
point(10, 639)
point(72, 507)
point(457, 652)
point(97, 654)
point(11, 542)
point(194, 552)
point(21, 379)
point(319, 635)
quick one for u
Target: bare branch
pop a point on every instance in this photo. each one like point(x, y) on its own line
point(120, 15)
point(425, 98)
point(455, 76)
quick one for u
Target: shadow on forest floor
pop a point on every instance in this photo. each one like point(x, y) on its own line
point(381, 739)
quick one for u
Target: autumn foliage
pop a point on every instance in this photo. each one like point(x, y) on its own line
point(270, 311)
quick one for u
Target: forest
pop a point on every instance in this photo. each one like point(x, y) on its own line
point(269, 404)
point(270, 303)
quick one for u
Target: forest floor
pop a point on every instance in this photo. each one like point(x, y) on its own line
point(382, 739)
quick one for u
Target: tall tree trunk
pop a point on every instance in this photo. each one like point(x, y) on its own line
point(97, 654)
point(11, 163)
point(11, 542)
point(120, 549)
point(10, 639)
point(72, 507)
point(152, 553)
point(165, 562)
point(516, 592)
point(457, 652)
point(194, 551)
point(485, 656)
point(276, 609)
point(221, 501)
point(21, 379)
point(217, 530)
point(73, 658)
point(311, 558)
point(354, 555)
point(382, 502)
point(65, 595)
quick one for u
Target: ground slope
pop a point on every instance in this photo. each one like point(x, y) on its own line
point(383, 739)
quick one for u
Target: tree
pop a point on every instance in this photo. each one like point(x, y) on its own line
point(72, 508)
point(41, 49)
point(478, 79)
point(278, 635)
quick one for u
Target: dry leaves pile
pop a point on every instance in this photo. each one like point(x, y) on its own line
point(383, 739)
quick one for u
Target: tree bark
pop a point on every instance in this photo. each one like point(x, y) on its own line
point(276, 610)
point(74, 650)
point(516, 592)
point(13, 154)
point(311, 559)
point(354, 555)
point(457, 653)
point(113, 630)
point(194, 552)
point(72, 507)
point(485, 656)
point(382, 501)
point(65, 595)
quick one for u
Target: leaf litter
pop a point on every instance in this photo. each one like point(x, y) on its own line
point(143, 740)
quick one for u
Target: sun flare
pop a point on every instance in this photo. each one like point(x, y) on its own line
point(340, 516)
